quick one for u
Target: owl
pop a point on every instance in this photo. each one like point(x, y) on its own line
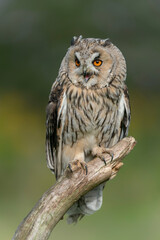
point(87, 113)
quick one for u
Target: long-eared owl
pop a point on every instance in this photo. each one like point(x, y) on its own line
point(87, 113)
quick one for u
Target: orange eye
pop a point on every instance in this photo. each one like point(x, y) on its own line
point(77, 62)
point(97, 63)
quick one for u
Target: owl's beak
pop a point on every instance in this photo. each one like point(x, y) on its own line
point(86, 76)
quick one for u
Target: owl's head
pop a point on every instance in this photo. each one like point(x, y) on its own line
point(94, 62)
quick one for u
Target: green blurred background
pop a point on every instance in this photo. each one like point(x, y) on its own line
point(34, 36)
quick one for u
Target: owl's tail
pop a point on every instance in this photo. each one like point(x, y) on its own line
point(86, 205)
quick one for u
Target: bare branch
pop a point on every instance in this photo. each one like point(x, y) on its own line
point(69, 188)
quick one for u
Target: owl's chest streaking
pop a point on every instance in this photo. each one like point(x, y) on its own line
point(88, 114)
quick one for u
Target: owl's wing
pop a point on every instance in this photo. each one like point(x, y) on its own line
point(125, 122)
point(51, 135)
point(123, 119)
point(51, 126)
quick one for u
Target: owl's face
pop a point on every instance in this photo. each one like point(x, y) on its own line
point(90, 63)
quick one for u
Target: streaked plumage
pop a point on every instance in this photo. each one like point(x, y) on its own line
point(88, 108)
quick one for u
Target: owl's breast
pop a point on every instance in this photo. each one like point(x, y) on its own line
point(89, 113)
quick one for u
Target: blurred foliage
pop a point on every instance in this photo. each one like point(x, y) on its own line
point(34, 36)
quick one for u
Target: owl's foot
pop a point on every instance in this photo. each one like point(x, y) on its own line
point(76, 164)
point(101, 153)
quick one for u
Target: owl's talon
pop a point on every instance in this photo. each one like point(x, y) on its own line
point(104, 160)
point(112, 156)
point(77, 164)
point(70, 168)
point(101, 153)
point(110, 152)
point(86, 168)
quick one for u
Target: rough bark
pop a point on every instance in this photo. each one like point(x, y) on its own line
point(54, 203)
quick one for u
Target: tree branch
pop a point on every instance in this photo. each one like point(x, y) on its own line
point(69, 188)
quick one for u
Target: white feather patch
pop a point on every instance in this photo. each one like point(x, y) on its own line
point(62, 115)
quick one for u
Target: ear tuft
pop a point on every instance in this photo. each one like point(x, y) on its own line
point(105, 42)
point(75, 40)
